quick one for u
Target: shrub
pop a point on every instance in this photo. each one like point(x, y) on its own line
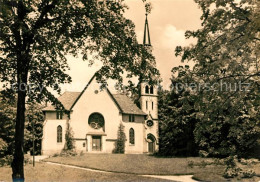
point(120, 142)
point(81, 153)
point(67, 153)
point(248, 174)
point(27, 159)
point(248, 161)
point(191, 164)
point(6, 160)
point(203, 153)
point(232, 170)
point(55, 155)
point(69, 142)
point(3, 147)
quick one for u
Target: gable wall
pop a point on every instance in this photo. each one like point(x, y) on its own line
point(89, 103)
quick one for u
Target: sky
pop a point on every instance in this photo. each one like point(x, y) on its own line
point(168, 22)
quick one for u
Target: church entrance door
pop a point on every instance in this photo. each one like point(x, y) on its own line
point(151, 143)
point(151, 147)
point(96, 143)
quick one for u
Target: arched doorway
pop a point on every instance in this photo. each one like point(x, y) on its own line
point(151, 143)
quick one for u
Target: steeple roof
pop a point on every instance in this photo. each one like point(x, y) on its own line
point(146, 41)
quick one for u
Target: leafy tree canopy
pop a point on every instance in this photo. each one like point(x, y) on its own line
point(226, 75)
point(36, 36)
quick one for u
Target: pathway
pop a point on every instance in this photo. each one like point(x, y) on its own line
point(181, 178)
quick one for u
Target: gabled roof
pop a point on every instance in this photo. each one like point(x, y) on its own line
point(127, 105)
point(67, 99)
point(124, 103)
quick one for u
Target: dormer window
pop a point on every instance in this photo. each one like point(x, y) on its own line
point(59, 115)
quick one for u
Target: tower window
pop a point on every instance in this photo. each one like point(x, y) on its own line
point(132, 136)
point(59, 134)
point(151, 90)
point(146, 89)
point(146, 105)
point(152, 105)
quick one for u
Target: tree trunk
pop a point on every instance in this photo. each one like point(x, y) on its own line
point(18, 161)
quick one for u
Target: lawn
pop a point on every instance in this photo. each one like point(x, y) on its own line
point(43, 172)
point(145, 164)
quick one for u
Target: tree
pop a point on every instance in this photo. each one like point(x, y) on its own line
point(37, 35)
point(226, 58)
point(121, 138)
point(7, 125)
point(34, 119)
point(177, 116)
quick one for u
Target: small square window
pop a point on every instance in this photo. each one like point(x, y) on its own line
point(131, 118)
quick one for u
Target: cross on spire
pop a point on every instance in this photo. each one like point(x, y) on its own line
point(147, 41)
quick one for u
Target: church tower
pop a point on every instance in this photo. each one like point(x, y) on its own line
point(149, 104)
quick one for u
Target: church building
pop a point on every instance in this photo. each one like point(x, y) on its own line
point(94, 116)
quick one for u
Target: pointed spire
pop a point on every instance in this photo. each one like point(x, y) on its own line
point(147, 41)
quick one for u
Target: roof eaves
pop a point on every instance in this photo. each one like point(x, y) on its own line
point(139, 114)
point(113, 98)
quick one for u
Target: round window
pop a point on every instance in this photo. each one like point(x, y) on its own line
point(149, 123)
point(96, 120)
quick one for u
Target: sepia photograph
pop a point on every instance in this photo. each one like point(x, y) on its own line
point(129, 90)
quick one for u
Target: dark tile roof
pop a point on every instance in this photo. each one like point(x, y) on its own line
point(127, 105)
point(67, 99)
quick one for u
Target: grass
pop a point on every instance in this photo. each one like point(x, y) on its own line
point(43, 172)
point(131, 163)
point(144, 164)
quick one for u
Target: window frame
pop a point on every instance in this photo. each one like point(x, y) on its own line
point(59, 134)
point(147, 89)
point(131, 118)
point(131, 136)
point(151, 90)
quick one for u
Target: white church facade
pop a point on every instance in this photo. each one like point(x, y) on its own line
point(94, 116)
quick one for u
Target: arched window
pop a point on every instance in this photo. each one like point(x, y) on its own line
point(132, 136)
point(151, 90)
point(146, 89)
point(96, 120)
point(59, 134)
